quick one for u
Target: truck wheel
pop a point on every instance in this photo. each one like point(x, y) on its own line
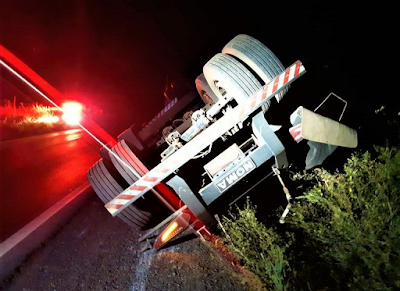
point(226, 75)
point(149, 209)
point(107, 188)
point(257, 56)
point(204, 90)
point(125, 154)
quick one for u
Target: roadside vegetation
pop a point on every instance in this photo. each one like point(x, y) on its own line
point(342, 233)
point(21, 120)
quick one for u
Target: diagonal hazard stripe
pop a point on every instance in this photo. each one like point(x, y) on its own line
point(204, 139)
point(295, 132)
point(150, 179)
point(136, 187)
point(125, 196)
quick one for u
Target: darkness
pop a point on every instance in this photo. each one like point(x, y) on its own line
point(117, 54)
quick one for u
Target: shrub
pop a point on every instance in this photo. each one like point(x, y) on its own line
point(351, 220)
point(260, 248)
point(346, 231)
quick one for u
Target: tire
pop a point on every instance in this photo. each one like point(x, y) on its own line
point(258, 57)
point(125, 154)
point(107, 188)
point(230, 76)
point(204, 90)
point(144, 213)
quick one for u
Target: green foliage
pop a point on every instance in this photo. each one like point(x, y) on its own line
point(379, 110)
point(346, 231)
point(261, 249)
point(351, 220)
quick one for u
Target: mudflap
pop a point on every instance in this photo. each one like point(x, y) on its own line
point(324, 135)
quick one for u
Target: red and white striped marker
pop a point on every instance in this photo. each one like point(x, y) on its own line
point(295, 132)
point(203, 140)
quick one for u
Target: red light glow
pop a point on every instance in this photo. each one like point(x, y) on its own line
point(72, 113)
point(48, 119)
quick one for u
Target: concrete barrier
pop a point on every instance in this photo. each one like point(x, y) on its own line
point(16, 248)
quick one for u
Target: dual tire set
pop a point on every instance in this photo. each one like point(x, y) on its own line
point(244, 67)
point(109, 177)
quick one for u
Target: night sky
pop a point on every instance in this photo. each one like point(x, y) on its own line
point(117, 54)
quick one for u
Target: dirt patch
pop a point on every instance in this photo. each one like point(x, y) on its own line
point(192, 266)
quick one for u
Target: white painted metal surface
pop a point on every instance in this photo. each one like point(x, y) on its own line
point(200, 142)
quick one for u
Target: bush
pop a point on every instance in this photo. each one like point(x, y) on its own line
point(260, 248)
point(351, 220)
point(346, 231)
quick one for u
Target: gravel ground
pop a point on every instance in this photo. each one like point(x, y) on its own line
point(94, 251)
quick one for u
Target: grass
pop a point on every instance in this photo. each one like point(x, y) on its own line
point(20, 120)
point(343, 233)
point(10, 110)
point(261, 248)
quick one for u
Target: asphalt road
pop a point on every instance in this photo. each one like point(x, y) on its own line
point(36, 172)
point(94, 251)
